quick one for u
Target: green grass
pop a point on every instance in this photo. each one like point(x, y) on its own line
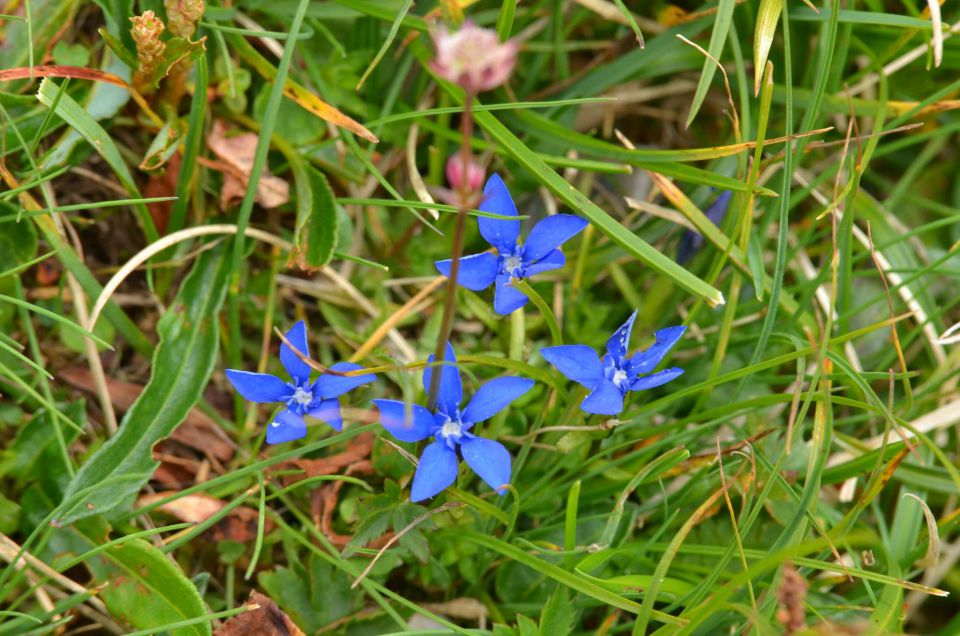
point(813, 312)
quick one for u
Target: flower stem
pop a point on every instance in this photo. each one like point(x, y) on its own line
point(517, 334)
point(446, 324)
point(544, 308)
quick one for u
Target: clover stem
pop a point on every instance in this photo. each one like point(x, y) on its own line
point(446, 324)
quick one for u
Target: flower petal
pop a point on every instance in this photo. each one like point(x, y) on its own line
point(330, 386)
point(329, 412)
point(606, 399)
point(655, 379)
point(406, 422)
point(489, 459)
point(286, 427)
point(477, 271)
point(619, 342)
point(493, 397)
point(436, 471)
point(647, 361)
point(580, 363)
point(553, 260)
point(549, 234)
point(500, 233)
point(297, 368)
point(507, 298)
point(259, 387)
point(451, 390)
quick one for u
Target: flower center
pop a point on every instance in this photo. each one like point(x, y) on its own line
point(451, 431)
point(619, 377)
point(512, 265)
point(302, 396)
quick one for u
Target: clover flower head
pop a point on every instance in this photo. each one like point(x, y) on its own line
point(514, 260)
point(302, 397)
point(609, 378)
point(692, 241)
point(473, 57)
point(450, 428)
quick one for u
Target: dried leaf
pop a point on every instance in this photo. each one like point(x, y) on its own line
point(267, 620)
point(236, 153)
point(239, 525)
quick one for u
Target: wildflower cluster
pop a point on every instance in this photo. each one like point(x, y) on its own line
point(511, 260)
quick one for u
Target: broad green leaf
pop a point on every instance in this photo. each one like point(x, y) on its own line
point(81, 121)
point(317, 221)
point(182, 365)
point(146, 589)
point(721, 27)
point(18, 241)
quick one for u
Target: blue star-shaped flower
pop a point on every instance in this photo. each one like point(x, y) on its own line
point(450, 428)
point(539, 253)
point(317, 399)
point(611, 377)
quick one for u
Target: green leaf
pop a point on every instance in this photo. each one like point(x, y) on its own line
point(18, 241)
point(162, 147)
point(126, 56)
point(177, 49)
point(558, 615)
point(182, 365)
point(317, 221)
point(767, 17)
point(721, 27)
point(526, 626)
point(146, 589)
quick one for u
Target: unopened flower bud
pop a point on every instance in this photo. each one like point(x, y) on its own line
point(455, 173)
point(473, 57)
point(146, 31)
point(182, 16)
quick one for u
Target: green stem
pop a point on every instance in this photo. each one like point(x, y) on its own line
point(544, 308)
point(518, 332)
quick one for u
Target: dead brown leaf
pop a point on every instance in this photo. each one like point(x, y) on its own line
point(236, 161)
point(197, 431)
point(267, 620)
point(239, 525)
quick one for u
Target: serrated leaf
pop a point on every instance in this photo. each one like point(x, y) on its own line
point(176, 49)
point(182, 365)
point(557, 616)
point(317, 220)
point(767, 17)
point(526, 626)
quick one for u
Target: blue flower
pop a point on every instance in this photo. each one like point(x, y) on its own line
point(539, 253)
point(316, 399)
point(611, 377)
point(450, 428)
